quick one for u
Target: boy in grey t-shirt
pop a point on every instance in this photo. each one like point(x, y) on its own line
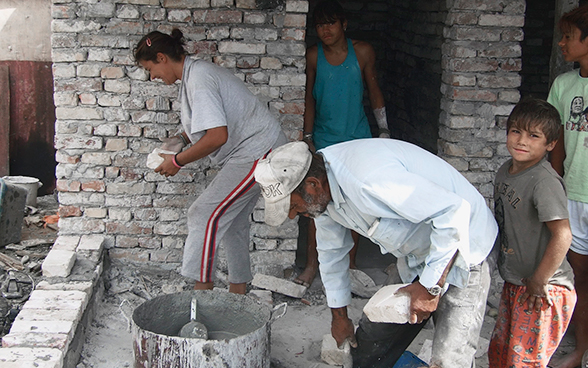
point(531, 210)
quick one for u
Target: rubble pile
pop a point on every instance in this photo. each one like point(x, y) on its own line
point(20, 263)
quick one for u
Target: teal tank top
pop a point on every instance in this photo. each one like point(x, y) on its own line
point(338, 93)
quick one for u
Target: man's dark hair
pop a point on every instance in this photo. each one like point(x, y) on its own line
point(328, 11)
point(531, 113)
point(316, 170)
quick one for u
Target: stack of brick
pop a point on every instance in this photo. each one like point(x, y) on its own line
point(49, 331)
point(109, 116)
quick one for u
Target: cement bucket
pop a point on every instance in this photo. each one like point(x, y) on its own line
point(238, 329)
point(31, 184)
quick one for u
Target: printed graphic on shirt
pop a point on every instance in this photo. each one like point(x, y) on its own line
point(499, 215)
point(577, 120)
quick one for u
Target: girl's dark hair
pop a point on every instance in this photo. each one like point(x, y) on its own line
point(575, 18)
point(534, 113)
point(155, 42)
point(328, 11)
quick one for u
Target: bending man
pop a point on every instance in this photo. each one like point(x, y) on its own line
point(413, 205)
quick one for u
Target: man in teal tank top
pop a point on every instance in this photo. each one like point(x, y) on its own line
point(336, 69)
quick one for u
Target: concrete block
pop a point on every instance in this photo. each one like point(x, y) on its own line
point(278, 285)
point(387, 306)
point(263, 296)
point(12, 205)
point(332, 355)
point(58, 263)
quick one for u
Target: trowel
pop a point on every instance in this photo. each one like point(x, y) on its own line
point(194, 329)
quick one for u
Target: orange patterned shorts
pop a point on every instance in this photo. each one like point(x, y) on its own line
point(523, 338)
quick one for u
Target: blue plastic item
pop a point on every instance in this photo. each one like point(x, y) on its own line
point(409, 360)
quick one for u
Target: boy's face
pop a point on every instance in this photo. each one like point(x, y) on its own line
point(527, 147)
point(330, 33)
point(572, 48)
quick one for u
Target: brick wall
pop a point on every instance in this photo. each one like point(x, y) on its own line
point(110, 116)
point(449, 72)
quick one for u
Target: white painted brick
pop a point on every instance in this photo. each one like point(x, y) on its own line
point(100, 55)
point(89, 70)
point(106, 130)
point(109, 100)
point(97, 158)
point(36, 340)
point(287, 80)
point(91, 242)
point(31, 357)
point(64, 242)
point(77, 142)
point(58, 263)
point(96, 212)
point(64, 71)
point(78, 113)
point(83, 286)
point(46, 315)
point(254, 18)
point(74, 26)
point(232, 47)
point(332, 355)
point(278, 285)
point(87, 99)
point(67, 55)
point(73, 300)
point(297, 6)
point(65, 99)
point(117, 86)
point(387, 306)
point(128, 12)
point(44, 327)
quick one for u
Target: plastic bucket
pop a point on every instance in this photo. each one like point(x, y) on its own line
point(31, 185)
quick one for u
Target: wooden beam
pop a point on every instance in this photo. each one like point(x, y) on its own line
point(4, 120)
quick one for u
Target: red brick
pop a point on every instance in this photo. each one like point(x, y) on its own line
point(67, 185)
point(128, 228)
point(69, 211)
point(94, 186)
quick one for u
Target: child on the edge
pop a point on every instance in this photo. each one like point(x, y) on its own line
point(538, 297)
point(569, 95)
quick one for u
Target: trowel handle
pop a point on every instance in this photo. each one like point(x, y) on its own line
point(193, 311)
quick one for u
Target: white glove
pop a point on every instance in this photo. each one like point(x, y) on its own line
point(380, 115)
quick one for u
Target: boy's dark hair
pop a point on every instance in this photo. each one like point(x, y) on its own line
point(531, 113)
point(575, 18)
point(328, 11)
point(155, 42)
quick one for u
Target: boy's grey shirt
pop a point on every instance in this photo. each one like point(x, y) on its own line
point(523, 203)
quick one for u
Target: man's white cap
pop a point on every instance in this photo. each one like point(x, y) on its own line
point(278, 175)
